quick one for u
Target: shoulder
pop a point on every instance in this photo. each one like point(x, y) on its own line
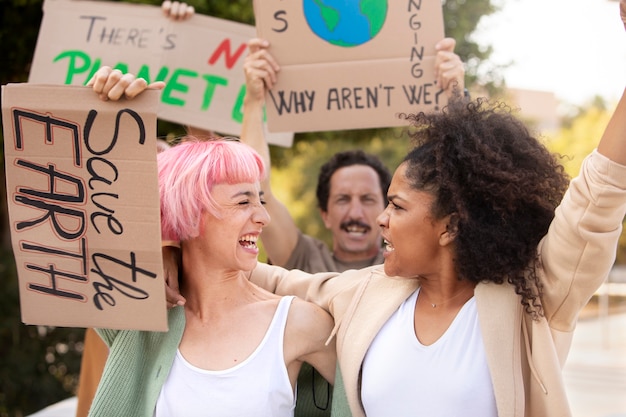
point(304, 311)
point(309, 320)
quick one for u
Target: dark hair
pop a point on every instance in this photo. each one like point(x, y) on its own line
point(500, 184)
point(346, 159)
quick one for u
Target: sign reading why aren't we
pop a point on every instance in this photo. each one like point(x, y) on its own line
point(350, 64)
point(83, 201)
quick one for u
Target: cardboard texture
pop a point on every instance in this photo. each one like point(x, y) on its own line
point(350, 64)
point(83, 201)
point(200, 59)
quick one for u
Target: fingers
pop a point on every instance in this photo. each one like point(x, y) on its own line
point(127, 85)
point(255, 44)
point(446, 44)
point(177, 10)
point(112, 84)
point(449, 69)
point(172, 292)
point(622, 11)
point(173, 298)
point(260, 69)
point(170, 271)
point(157, 85)
point(103, 80)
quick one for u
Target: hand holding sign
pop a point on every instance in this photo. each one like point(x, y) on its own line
point(111, 84)
point(449, 69)
point(176, 10)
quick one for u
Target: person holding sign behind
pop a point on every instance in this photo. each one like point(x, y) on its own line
point(233, 349)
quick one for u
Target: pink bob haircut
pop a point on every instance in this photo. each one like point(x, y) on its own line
point(187, 174)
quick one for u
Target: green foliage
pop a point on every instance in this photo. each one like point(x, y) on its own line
point(38, 365)
point(579, 136)
point(461, 18)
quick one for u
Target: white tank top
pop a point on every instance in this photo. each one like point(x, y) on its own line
point(259, 386)
point(402, 377)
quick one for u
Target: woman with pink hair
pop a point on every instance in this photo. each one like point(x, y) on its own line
point(233, 349)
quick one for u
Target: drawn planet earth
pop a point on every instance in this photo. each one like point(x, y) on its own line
point(345, 23)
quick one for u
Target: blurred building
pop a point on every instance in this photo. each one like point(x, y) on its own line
point(537, 108)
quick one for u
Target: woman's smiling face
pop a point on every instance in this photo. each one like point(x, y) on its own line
point(232, 238)
point(413, 238)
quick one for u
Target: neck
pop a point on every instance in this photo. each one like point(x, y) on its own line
point(447, 296)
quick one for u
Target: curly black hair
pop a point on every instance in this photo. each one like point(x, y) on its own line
point(346, 159)
point(499, 184)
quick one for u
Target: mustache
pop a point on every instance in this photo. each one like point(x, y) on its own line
point(356, 223)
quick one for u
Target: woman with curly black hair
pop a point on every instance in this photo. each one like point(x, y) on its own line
point(489, 257)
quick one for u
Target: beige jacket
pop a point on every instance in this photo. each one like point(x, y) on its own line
point(525, 357)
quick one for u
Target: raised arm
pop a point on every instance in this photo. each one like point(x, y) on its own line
point(579, 250)
point(613, 142)
point(281, 234)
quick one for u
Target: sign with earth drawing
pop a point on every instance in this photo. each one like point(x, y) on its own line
point(350, 64)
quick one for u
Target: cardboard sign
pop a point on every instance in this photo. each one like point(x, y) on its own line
point(83, 203)
point(200, 59)
point(350, 64)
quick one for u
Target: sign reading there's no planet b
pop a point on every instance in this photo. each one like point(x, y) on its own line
point(350, 64)
point(200, 59)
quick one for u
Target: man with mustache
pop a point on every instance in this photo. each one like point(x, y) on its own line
point(351, 193)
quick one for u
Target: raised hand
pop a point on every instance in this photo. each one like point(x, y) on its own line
point(260, 69)
point(449, 69)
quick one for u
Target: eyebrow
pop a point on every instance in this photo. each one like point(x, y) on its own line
point(392, 197)
point(248, 194)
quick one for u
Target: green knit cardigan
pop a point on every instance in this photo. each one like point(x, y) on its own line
point(136, 369)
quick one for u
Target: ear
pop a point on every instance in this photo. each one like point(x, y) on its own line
point(324, 215)
point(451, 224)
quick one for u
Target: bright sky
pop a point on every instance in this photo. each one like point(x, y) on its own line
point(575, 48)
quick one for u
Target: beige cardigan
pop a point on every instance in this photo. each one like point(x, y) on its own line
point(525, 357)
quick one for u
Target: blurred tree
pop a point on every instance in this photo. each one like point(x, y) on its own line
point(579, 136)
point(39, 365)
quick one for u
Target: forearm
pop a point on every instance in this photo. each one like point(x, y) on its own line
point(579, 249)
point(613, 142)
point(252, 130)
point(310, 287)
